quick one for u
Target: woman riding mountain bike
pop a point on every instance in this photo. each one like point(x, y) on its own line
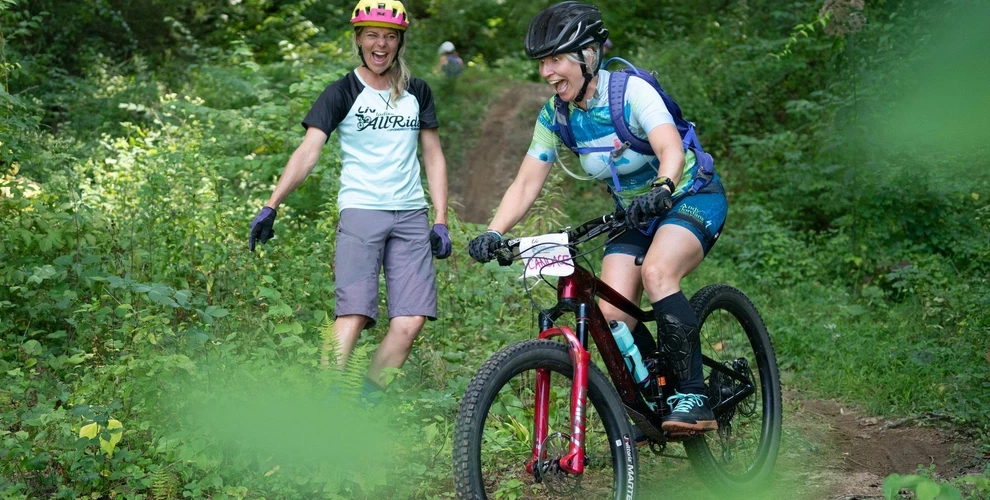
point(675, 214)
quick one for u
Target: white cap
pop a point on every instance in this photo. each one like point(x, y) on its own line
point(446, 47)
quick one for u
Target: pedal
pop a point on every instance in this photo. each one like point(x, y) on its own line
point(645, 424)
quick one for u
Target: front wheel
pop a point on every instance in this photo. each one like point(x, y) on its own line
point(493, 432)
point(741, 453)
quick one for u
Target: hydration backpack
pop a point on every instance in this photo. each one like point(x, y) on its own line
point(616, 97)
point(454, 65)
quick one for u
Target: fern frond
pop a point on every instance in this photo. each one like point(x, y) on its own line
point(328, 353)
point(164, 484)
point(353, 374)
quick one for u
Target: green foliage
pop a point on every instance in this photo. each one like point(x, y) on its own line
point(923, 488)
point(767, 252)
point(979, 486)
point(461, 111)
point(19, 118)
point(137, 140)
point(481, 30)
point(923, 111)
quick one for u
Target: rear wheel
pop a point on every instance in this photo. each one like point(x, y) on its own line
point(494, 427)
point(742, 452)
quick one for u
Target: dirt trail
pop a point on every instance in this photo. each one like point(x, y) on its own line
point(852, 452)
point(503, 142)
point(863, 450)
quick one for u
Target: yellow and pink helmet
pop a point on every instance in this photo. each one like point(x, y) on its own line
point(381, 13)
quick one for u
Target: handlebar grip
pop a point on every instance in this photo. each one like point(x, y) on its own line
point(503, 253)
point(598, 225)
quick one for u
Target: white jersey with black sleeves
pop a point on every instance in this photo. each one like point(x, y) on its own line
point(379, 137)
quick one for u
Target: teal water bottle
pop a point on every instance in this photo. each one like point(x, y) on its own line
point(634, 360)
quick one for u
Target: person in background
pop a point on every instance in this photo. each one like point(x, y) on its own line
point(670, 221)
point(449, 62)
point(381, 114)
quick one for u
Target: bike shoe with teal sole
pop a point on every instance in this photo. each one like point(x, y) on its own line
point(691, 414)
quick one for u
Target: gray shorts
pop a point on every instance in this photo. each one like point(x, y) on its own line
point(397, 239)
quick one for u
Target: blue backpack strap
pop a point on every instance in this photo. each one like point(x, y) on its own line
point(616, 100)
point(689, 137)
point(706, 164)
point(618, 82)
point(563, 127)
point(705, 171)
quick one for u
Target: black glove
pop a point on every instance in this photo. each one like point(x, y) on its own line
point(647, 206)
point(261, 227)
point(440, 241)
point(482, 248)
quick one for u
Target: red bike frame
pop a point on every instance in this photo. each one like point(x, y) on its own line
point(576, 293)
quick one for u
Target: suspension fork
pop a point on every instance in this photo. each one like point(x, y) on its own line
point(573, 461)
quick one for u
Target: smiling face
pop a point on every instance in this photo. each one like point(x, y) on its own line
point(564, 74)
point(379, 46)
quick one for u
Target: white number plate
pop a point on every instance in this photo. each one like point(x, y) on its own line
point(546, 255)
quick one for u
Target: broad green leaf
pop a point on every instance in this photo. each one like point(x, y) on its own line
point(182, 297)
point(269, 293)
point(280, 311)
point(894, 482)
point(158, 297)
point(927, 490)
point(216, 312)
point(430, 432)
point(283, 328)
point(114, 428)
point(32, 348)
point(79, 358)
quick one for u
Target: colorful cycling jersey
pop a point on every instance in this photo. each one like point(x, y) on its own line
point(378, 138)
point(644, 110)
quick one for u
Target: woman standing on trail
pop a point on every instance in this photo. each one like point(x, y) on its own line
point(671, 220)
point(380, 113)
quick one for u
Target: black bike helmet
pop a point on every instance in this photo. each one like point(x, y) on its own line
point(567, 27)
point(564, 27)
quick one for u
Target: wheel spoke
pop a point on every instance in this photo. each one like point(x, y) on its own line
point(744, 449)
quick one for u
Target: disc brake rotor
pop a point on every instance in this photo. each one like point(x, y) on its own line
point(547, 469)
point(747, 406)
point(721, 388)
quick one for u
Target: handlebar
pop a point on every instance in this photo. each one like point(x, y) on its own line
point(507, 251)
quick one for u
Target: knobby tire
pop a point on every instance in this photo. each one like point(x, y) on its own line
point(741, 454)
point(506, 372)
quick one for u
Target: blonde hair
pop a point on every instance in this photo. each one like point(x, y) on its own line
point(590, 55)
point(398, 73)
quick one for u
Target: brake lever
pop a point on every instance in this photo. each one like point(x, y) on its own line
point(503, 254)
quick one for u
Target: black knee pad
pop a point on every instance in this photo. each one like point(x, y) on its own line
point(679, 342)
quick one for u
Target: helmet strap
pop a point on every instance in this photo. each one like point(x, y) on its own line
point(584, 88)
point(588, 76)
